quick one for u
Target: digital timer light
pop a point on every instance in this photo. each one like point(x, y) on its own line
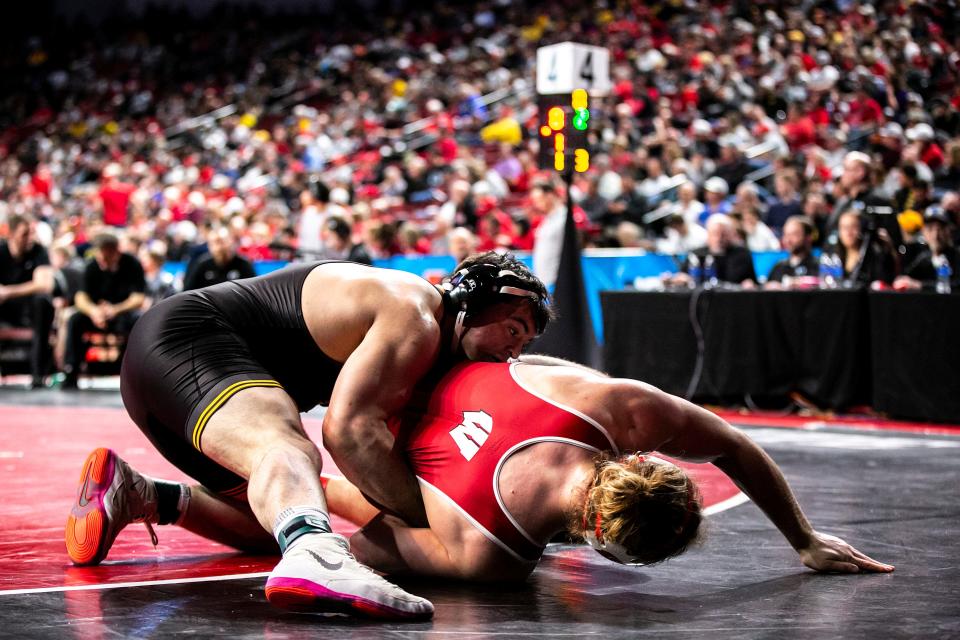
point(566, 140)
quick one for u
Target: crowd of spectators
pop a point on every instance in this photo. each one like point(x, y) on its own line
point(754, 125)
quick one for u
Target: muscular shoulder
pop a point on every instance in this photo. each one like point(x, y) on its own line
point(644, 416)
point(343, 301)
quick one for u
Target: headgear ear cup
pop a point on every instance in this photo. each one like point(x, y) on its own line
point(468, 285)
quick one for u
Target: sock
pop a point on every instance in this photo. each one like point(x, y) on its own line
point(295, 522)
point(172, 501)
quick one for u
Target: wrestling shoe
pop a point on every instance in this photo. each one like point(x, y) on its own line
point(320, 575)
point(111, 496)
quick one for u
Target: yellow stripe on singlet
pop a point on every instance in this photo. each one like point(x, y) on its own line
point(222, 397)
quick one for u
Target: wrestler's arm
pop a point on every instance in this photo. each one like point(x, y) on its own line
point(452, 549)
point(693, 433)
point(375, 382)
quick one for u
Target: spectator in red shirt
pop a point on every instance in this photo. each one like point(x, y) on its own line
point(864, 110)
point(114, 197)
point(799, 129)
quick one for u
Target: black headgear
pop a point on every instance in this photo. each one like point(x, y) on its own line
point(478, 285)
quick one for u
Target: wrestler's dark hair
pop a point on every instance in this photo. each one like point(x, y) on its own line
point(650, 508)
point(522, 278)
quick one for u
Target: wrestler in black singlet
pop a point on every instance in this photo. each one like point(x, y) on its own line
point(190, 353)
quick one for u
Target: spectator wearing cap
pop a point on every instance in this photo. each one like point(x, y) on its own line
point(787, 203)
point(715, 191)
point(109, 300)
point(921, 272)
point(220, 264)
point(928, 151)
point(889, 144)
point(911, 224)
point(732, 261)
point(798, 233)
point(338, 240)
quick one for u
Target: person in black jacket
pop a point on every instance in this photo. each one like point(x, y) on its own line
point(109, 300)
point(220, 264)
point(921, 272)
point(866, 256)
point(732, 261)
point(23, 299)
point(798, 240)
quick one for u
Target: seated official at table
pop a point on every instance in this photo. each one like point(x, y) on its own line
point(921, 273)
point(864, 262)
point(730, 260)
point(798, 241)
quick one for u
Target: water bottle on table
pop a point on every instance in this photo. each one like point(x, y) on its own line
point(828, 278)
point(944, 273)
point(710, 271)
point(694, 268)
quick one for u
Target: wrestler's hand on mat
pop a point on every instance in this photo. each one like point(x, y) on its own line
point(831, 554)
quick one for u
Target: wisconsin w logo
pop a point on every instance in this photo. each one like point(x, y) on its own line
point(472, 432)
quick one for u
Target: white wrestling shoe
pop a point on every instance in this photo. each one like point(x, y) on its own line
point(320, 575)
point(111, 496)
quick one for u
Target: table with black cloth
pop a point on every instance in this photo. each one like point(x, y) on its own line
point(761, 344)
point(899, 352)
point(915, 341)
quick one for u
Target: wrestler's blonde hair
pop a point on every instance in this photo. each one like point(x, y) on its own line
point(650, 508)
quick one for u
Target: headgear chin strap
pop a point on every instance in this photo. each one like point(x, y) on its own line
point(608, 548)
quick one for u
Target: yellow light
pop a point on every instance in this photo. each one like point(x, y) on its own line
point(580, 99)
point(558, 142)
point(558, 161)
point(581, 160)
point(556, 118)
point(545, 131)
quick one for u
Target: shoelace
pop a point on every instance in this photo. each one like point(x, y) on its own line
point(135, 497)
point(153, 534)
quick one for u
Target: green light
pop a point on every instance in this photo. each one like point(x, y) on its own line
point(580, 119)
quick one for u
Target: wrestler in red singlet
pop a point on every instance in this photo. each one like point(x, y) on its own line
point(459, 436)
